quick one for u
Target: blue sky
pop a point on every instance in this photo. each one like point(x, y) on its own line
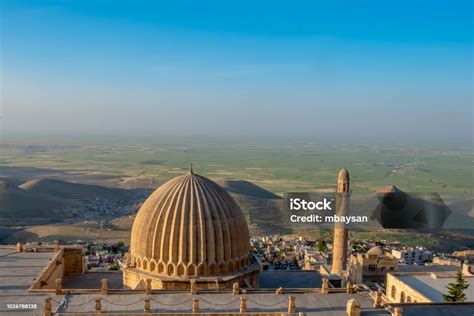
point(319, 69)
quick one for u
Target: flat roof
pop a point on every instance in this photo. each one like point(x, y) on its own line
point(17, 273)
point(19, 269)
point(434, 288)
point(438, 310)
point(290, 279)
point(426, 268)
point(92, 280)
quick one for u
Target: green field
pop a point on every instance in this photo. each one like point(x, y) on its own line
point(277, 167)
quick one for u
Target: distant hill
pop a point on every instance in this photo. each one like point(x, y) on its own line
point(465, 207)
point(462, 215)
point(242, 187)
point(69, 190)
point(263, 209)
point(16, 202)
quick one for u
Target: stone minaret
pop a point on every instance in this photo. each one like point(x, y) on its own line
point(339, 253)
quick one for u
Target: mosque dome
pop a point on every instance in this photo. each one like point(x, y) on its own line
point(376, 250)
point(188, 227)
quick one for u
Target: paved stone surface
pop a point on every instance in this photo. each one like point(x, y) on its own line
point(91, 280)
point(17, 273)
point(290, 279)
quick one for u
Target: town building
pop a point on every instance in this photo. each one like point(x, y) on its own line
point(371, 266)
point(424, 287)
point(410, 255)
point(447, 261)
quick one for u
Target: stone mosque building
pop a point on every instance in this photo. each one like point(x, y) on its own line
point(190, 230)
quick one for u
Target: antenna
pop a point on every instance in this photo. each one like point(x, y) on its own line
point(191, 167)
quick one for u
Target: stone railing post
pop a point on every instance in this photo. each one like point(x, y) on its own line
point(193, 287)
point(98, 305)
point(397, 311)
point(58, 288)
point(19, 247)
point(243, 304)
point(279, 291)
point(291, 305)
point(56, 245)
point(148, 287)
point(195, 304)
point(104, 287)
point(235, 288)
point(146, 308)
point(47, 306)
point(353, 307)
point(325, 287)
point(349, 288)
point(378, 299)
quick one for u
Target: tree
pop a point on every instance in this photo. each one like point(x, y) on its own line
point(115, 248)
point(114, 267)
point(456, 290)
point(322, 246)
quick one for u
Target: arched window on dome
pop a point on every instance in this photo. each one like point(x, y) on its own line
point(181, 269)
point(230, 266)
point(161, 267)
point(191, 270)
point(170, 269)
point(402, 297)
point(408, 299)
point(212, 269)
point(221, 268)
point(393, 291)
point(152, 266)
point(201, 270)
point(145, 264)
point(139, 263)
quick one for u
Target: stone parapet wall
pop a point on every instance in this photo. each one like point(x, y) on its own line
point(67, 260)
point(54, 270)
point(73, 261)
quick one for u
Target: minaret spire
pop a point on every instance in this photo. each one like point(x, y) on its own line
point(339, 253)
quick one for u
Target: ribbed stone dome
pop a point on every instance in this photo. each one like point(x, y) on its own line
point(190, 226)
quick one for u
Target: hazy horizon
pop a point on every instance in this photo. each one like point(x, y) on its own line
point(369, 71)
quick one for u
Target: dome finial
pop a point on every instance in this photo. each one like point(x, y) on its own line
point(191, 167)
